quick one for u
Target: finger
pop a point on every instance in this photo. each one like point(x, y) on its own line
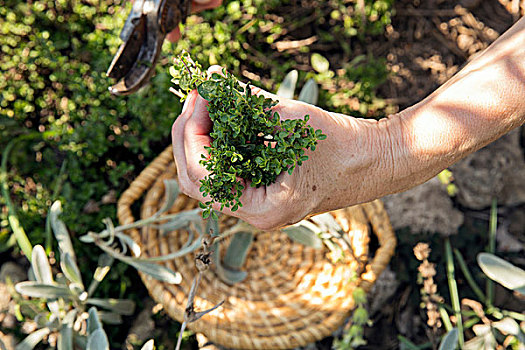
point(179, 154)
point(196, 137)
point(201, 5)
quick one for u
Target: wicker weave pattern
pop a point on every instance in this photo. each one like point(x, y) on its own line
point(293, 295)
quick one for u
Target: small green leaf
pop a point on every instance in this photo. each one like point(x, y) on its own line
point(503, 272)
point(207, 89)
point(450, 340)
point(98, 340)
point(303, 235)
point(319, 63)
point(43, 290)
point(33, 339)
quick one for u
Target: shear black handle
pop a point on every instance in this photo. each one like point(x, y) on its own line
point(143, 34)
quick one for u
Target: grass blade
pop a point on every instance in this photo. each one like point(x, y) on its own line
point(445, 318)
point(493, 226)
point(454, 296)
point(468, 276)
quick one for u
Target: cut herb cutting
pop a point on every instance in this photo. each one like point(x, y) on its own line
point(249, 140)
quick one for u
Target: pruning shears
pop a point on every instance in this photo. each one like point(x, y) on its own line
point(143, 34)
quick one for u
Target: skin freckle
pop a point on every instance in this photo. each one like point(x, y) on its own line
point(314, 187)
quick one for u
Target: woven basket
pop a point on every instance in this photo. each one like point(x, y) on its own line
point(293, 295)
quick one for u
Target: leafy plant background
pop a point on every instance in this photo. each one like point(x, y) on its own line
point(78, 144)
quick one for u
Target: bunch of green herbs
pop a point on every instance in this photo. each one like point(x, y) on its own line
point(249, 139)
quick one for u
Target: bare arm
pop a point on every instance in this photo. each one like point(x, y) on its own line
point(485, 100)
point(362, 159)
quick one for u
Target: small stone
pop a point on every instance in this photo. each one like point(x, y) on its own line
point(424, 208)
point(8, 340)
point(464, 41)
point(91, 207)
point(496, 171)
point(14, 271)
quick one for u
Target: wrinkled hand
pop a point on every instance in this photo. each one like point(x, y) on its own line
point(196, 6)
point(336, 174)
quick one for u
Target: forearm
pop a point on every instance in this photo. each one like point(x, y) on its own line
point(482, 102)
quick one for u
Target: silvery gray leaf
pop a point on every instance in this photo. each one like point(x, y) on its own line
point(98, 340)
point(33, 339)
point(93, 322)
point(450, 340)
point(238, 249)
point(327, 223)
point(150, 345)
point(171, 193)
point(70, 269)
point(196, 244)
point(225, 274)
point(310, 92)
point(503, 272)
point(65, 336)
point(120, 306)
point(43, 290)
point(212, 227)
point(87, 239)
point(42, 273)
point(508, 326)
point(303, 234)
point(60, 230)
point(181, 220)
point(40, 264)
point(110, 317)
point(287, 87)
point(156, 271)
point(133, 246)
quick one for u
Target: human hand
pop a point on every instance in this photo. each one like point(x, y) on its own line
point(196, 6)
point(351, 151)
